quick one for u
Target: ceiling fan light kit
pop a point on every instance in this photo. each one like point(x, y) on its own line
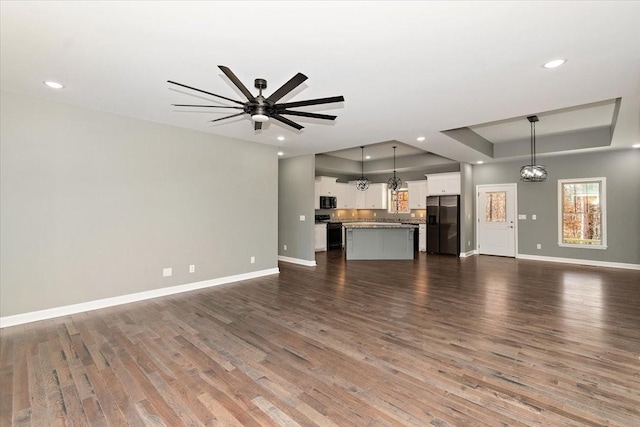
point(262, 109)
point(533, 172)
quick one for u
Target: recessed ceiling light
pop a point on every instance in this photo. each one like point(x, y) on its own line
point(54, 85)
point(280, 153)
point(555, 63)
point(636, 145)
point(420, 138)
point(367, 157)
point(480, 162)
point(280, 138)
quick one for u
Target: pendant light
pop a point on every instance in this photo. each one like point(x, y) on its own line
point(362, 183)
point(533, 172)
point(394, 183)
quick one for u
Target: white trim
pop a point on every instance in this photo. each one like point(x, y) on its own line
point(580, 261)
point(297, 261)
point(468, 254)
point(579, 246)
point(67, 310)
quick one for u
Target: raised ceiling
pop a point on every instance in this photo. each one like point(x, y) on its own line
point(406, 69)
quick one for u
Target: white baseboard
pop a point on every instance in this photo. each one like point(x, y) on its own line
point(468, 254)
point(580, 261)
point(67, 310)
point(297, 261)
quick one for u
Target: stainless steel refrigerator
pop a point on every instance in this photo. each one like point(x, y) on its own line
point(443, 225)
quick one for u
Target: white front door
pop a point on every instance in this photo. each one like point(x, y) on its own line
point(496, 214)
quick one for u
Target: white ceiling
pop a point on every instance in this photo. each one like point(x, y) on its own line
point(406, 69)
point(381, 150)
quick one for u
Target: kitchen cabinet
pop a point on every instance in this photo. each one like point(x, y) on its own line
point(440, 184)
point(346, 194)
point(321, 237)
point(422, 237)
point(376, 196)
point(417, 194)
point(359, 201)
point(326, 186)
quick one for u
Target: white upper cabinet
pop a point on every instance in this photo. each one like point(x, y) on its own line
point(359, 201)
point(326, 186)
point(346, 195)
point(439, 184)
point(376, 196)
point(417, 194)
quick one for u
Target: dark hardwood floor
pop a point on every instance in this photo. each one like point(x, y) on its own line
point(438, 341)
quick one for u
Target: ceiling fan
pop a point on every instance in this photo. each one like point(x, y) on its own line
point(262, 109)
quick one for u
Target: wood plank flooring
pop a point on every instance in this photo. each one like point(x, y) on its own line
point(438, 341)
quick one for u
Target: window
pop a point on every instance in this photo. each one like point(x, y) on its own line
point(496, 208)
point(582, 213)
point(399, 201)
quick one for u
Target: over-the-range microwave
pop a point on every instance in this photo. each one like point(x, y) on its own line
point(328, 202)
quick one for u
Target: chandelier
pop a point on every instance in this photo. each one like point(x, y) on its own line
point(394, 182)
point(362, 183)
point(533, 172)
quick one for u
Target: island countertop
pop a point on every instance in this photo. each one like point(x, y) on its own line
point(377, 225)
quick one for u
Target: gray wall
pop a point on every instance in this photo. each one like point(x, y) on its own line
point(95, 205)
point(296, 177)
point(467, 208)
point(622, 170)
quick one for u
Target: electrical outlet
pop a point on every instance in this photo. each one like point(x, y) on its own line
point(166, 272)
point(302, 218)
point(285, 247)
point(374, 214)
point(533, 217)
point(413, 215)
point(192, 268)
point(253, 260)
point(539, 246)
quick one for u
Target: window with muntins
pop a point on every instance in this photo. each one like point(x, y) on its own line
point(399, 201)
point(582, 213)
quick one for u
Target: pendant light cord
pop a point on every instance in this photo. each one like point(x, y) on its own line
point(533, 143)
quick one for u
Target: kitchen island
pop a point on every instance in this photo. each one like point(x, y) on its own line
point(379, 240)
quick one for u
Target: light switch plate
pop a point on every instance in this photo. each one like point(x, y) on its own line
point(522, 216)
point(533, 217)
point(166, 272)
point(302, 217)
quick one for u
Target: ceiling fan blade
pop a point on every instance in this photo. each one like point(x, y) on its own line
point(305, 114)
point(204, 91)
point(286, 121)
point(293, 83)
point(208, 106)
point(227, 117)
point(310, 102)
point(236, 81)
point(258, 126)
